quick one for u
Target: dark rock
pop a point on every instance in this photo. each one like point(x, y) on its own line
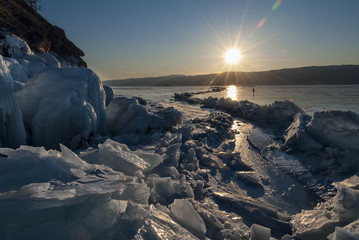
point(20, 19)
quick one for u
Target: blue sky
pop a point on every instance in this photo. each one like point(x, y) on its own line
point(133, 38)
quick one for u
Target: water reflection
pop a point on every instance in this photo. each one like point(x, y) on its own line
point(232, 92)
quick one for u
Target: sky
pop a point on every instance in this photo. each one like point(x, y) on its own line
point(141, 38)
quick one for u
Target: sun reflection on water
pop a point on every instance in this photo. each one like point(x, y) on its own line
point(232, 92)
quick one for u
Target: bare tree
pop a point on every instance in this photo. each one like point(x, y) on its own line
point(35, 4)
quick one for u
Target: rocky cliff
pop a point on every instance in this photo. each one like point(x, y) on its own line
point(20, 19)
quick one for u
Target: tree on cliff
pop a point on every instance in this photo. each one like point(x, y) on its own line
point(35, 4)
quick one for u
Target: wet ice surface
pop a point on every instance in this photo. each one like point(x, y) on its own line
point(211, 177)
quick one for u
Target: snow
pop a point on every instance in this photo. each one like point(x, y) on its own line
point(12, 132)
point(184, 213)
point(13, 46)
point(63, 106)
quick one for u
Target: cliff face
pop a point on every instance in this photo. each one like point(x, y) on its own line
point(20, 19)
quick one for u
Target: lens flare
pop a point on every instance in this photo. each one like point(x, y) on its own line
point(276, 5)
point(261, 22)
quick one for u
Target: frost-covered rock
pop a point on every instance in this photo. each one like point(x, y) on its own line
point(336, 212)
point(297, 136)
point(63, 106)
point(12, 132)
point(119, 157)
point(13, 46)
point(126, 115)
point(182, 211)
point(336, 128)
point(110, 94)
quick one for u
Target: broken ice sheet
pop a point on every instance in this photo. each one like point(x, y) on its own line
point(119, 157)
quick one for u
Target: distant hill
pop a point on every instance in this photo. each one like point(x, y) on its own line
point(323, 75)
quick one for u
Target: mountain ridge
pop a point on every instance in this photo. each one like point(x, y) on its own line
point(309, 75)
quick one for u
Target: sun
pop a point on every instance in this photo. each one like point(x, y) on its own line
point(232, 56)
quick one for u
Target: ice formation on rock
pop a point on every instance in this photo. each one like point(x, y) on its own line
point(13, 46)
point(63, 106)
point(126, 115)
point(12, 132)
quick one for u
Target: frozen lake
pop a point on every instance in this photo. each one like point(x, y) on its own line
point(310, 97)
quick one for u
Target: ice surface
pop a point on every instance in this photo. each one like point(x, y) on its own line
point(173, 154)
point(278, 114)
point(336, 128)
point(182, 211)
point(126, 115)
point(343, 234)
point(12, 132)
point(48, 194)
point(338, 211)
point(161, 226)
point(50, 59)
point(110, 94)
point(119, 157)
point(165, 190)
point(63, 106)
point(259, 232)
point(297, 136)
point(249, 177)
point(17, 70)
